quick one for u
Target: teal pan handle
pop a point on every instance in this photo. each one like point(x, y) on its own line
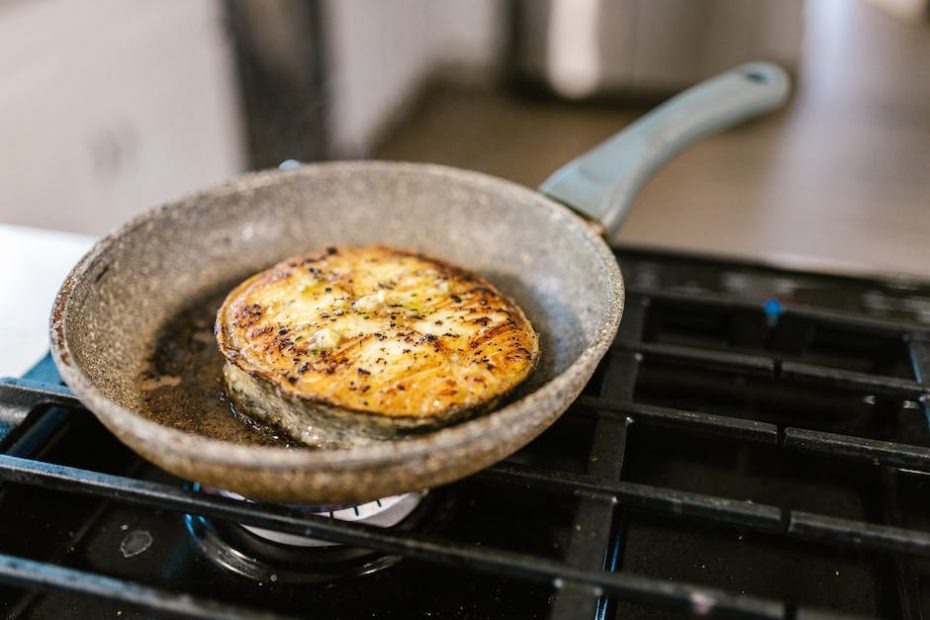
point(601, 183)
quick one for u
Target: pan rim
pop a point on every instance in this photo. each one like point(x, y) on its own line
point(182, 444)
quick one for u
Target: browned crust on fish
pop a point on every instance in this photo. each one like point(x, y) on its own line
point(388, 333)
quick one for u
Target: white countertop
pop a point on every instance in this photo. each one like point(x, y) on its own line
point(33, 264)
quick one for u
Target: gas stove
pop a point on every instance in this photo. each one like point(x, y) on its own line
point(756, 444)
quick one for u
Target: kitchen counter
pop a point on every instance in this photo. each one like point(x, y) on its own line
point(839, 180)
point(33, 264)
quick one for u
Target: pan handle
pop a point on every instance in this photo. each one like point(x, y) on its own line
point(601, 183)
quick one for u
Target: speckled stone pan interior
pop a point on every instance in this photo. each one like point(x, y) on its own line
point(115, 301)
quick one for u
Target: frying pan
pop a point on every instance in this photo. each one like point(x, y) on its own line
point(145, 292)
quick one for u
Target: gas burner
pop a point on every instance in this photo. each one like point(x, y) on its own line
point(386, 512)
point(271, 556)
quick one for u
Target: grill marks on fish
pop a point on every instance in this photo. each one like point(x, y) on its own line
point(379, 331)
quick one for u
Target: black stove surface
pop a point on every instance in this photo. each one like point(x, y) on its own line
point(755, 444)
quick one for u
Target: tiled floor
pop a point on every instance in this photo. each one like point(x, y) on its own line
point(840, 179)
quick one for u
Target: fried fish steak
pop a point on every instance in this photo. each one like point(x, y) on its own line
point(357, 344)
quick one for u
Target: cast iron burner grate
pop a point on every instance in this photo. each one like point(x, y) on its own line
point(754, 445)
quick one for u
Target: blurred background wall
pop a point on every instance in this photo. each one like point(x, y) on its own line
point(110, 107)
point(382, 54)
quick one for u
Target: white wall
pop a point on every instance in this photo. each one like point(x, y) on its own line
point(380, 52)
point(467, 33)
point(110, 107)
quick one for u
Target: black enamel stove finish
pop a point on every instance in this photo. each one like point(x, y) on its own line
point(755, 444)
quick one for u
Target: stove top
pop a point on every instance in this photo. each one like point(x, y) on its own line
point(756, 444)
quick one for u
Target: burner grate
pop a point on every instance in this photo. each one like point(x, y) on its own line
point(713, 456)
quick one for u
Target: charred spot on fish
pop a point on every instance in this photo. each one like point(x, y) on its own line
point(253, 310)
